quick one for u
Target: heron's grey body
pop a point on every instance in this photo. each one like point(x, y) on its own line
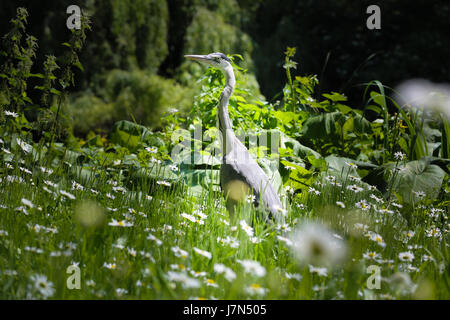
point(239, 169)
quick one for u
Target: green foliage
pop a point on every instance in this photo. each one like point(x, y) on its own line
point(209, 32)
point(140, 31)
point(16, 72)
point(332, 165)
point(17, 53)
point(133, 95)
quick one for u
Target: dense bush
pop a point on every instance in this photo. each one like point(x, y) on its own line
point(134, 95)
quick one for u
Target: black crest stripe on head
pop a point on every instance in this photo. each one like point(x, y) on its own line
point(224, 56)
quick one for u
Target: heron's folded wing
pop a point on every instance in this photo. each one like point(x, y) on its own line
point(246, 167)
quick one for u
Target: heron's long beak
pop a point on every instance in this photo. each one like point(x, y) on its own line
point(199, 58)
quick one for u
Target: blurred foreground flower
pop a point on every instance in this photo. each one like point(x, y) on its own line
point(255, 290)
point(314, 244)
point(89, 214)
point(181, 277)
point(401, 283)
point(253, 267)
point(230, 275)
point(420, 93)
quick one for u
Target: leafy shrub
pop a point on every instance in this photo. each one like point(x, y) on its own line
point(133, 95)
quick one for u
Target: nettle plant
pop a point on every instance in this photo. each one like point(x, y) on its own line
point(18, 52)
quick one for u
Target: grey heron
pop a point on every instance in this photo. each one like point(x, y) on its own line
point(240, 174)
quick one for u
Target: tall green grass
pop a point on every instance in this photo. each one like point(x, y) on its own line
point(55, 231)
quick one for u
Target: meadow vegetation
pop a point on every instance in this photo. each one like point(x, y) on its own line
point(140, 223)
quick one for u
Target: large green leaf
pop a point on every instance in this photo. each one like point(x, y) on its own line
point(129, 134)
point(318, 126)
point(155, 172)
point(200, 180)
point(445, 138)
point(285, 116)
point(270, 167)
point(132, 128)
point(297, 148)
point(419, 175)
point(299, 178)
point(361, 124)
point(335, 97)
point(343, 165)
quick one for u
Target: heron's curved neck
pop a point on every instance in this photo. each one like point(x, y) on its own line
point(224, 118)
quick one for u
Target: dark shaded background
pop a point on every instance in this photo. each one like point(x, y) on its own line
point(413, 41)
point(153, 35)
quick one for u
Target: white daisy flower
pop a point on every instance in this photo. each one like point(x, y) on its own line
point(255, 290)
point(433, 232)
point(67, 194)
point(419, 194)
point(371, 255)
point(289, 189)
point(164, 183)
point(295, 276)
point(198, 274)
point(313, 190)
point(110, 266)
point(250, 198)
point(287, 241)
point(354, 188)
point(399, 156)
point(181, 277)
point(377, 238)
point(211, 283)
point(229, 274)
point(11, 114)
point(180, 253)
point(315, 244)
point(363, 205)
point(77, 186)
point(151, 149)
point(122, 223)
point(319, 271)
point(28, 203)
point(24, 146)
point(351, 165)
point(42, 285)
point(406, 256)
point(153, 238)
point(340, 204)
point(204, 253)
point(253, 267)
point(248, 230)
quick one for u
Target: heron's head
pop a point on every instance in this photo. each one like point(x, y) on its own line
point(216, 59)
